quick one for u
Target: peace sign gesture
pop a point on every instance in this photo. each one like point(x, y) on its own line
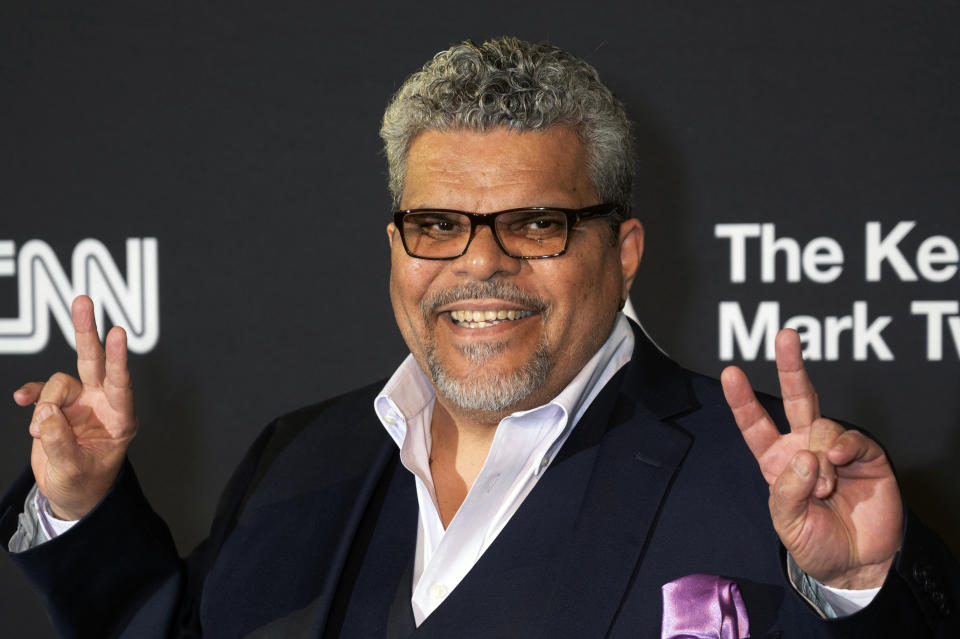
point(834, 499)
point(82, 428)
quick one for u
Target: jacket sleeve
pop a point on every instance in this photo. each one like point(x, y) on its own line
point(117, 573)
point(920, 597)
point(116, 562)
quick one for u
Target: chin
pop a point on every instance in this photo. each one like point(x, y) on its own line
point(489, 391)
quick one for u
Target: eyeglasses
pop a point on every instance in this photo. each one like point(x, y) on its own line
point(527, 234)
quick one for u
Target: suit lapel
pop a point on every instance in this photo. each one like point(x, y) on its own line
point(331, 580)
point(310, 620)
point(636, 462)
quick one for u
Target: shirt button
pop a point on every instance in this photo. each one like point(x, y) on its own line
point(391, 418)
point(438, 592)
point(544, 462)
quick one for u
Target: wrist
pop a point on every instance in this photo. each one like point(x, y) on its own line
point(61, 515)
point(861, 578)
point(50, 525)
point(58, 512)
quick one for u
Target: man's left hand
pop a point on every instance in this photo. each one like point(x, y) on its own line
point(833, 497)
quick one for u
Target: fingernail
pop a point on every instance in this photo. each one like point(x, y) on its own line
point(43, 412)
point(800, 467)
point(821, 485)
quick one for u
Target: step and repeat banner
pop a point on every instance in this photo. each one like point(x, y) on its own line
point(211, 174)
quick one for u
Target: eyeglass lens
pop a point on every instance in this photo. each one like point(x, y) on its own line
point(439, 234)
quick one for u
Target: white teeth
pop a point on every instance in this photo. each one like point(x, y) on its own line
point(481, 319)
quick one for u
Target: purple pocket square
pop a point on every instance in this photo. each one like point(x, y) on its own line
point(703, 607)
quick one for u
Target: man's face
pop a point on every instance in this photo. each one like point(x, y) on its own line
point(563, 308)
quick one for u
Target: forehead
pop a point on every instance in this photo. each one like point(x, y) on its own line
point(496, 170)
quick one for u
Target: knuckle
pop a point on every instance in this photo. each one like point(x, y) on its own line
point(826, 424)
point(782, 491)
point(57, 382)
point(855, 436)
point(52, 437)
point(131, 429)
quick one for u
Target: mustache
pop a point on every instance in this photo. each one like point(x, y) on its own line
point(499, 289)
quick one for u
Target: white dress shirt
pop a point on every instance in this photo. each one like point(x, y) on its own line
point(523, 447)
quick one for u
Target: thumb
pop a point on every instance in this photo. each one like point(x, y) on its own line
point(51, 427)
point(791, 493)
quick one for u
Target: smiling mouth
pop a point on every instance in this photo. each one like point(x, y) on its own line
point(483, 319)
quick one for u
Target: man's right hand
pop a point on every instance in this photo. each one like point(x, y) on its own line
point(82, 428)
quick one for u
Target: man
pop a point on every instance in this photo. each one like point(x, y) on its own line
point(556, 474)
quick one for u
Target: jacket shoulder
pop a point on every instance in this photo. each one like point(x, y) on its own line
point(337, 414)
point(313, 445)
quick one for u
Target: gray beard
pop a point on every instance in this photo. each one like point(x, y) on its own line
point(489, 392)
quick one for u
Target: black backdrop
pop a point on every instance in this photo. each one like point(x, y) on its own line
point(243, 137)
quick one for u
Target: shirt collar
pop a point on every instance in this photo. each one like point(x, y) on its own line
point(611, 357)
point(408, 393)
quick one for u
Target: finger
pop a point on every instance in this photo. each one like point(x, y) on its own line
point(56, 437)
point(790, 496)
point(117, 385)
point(758, 430)
point(90, 363)
point(823, 435)
point(853, 446)
point(40, 413)
point(800, 401)
point(28, 393)
point(60, 389)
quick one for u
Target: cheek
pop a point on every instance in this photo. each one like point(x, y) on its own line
point(405, 311)
point(584, 296)
point(568, 294)
point(409, 281)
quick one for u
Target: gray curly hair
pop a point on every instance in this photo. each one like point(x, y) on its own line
point(522, 86)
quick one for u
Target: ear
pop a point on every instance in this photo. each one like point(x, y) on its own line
point(391, 232)
point(631, 250)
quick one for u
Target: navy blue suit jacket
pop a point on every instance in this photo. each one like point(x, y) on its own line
point(654, 483)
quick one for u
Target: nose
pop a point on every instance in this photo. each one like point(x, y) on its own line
point(484, 258)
